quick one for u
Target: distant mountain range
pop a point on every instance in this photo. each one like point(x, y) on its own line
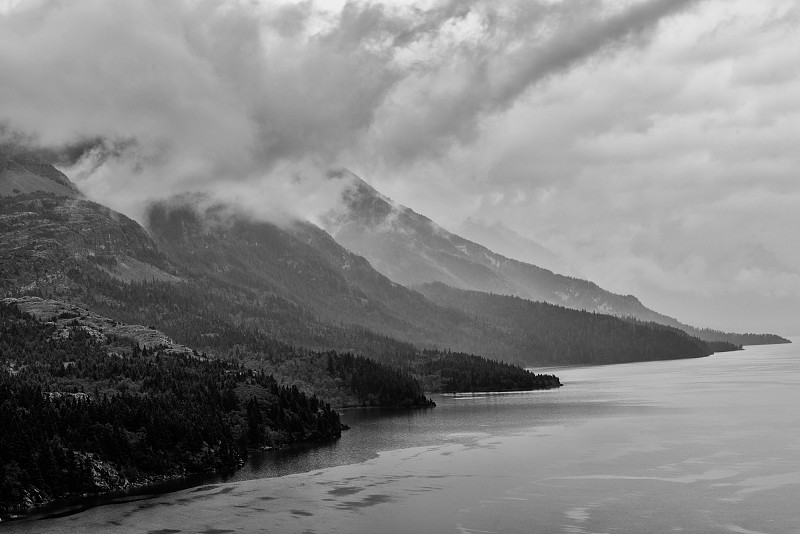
point(412, 250)
point(506, 242)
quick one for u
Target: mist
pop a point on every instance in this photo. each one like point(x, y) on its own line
point(253, 102)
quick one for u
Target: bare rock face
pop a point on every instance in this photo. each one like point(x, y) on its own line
point(47, 229)
point(44, 236)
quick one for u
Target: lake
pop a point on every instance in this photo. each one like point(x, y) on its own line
point(695, 446)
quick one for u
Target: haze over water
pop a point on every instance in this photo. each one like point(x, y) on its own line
point(702, 446)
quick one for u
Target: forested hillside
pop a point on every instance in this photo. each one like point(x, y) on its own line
point(83, 415)
point(85, 410)
point(297, 267)
point(310, 370)
point(455, 373)
point(572, 336)
point(528, 334)
point(712, 335)
point(209, 274)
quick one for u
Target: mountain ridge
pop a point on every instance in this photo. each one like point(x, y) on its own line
point(198, 271)
point(22, 171)
point(413, 250)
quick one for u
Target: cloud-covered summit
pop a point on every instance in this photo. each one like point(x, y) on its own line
point(166, 97)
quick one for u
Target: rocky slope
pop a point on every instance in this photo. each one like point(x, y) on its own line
point(43, 236)
point(65, 316)
point(23, 172)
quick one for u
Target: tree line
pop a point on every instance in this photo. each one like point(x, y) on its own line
point(459, 372)
point(555, 335)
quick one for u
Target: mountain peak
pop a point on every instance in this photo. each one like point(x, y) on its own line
point(413, 250)
point(22, 172)
point(363, 204)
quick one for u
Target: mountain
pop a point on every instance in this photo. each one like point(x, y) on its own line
point(505, 241)
point(300, 278)
point(45, 237)
point(412, 250)
point(21, 171)
point(219, 281)
point(574, 336)
point(301, 264)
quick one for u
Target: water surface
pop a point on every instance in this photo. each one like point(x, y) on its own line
point(706, 445)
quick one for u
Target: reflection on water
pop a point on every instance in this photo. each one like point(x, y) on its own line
point(706, 445)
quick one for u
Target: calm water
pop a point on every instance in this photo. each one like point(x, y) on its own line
point(707, 445)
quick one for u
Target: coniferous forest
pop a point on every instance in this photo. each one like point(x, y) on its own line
point(458, 372)
point(573, 336)
point(83, 416)
point(85, 412)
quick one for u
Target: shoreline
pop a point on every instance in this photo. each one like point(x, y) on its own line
point(154, 485)
point(164, 484)
point(651, 438)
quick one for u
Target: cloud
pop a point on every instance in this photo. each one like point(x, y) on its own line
point(649, 143)
point(666, 169)
point(165, 97)
point(491, 59)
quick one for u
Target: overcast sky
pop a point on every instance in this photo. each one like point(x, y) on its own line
point(653, 145)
